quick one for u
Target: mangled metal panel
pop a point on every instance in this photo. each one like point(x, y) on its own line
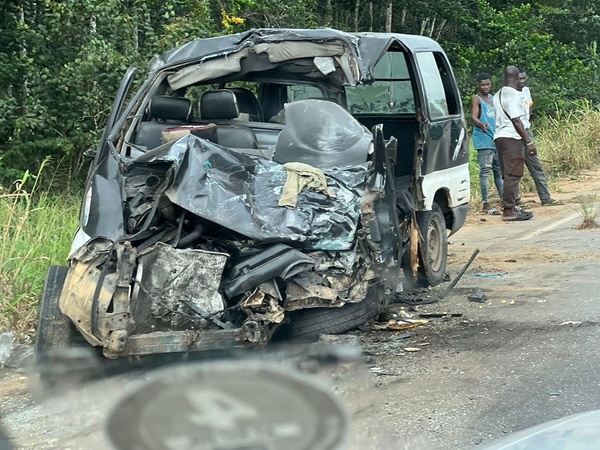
point(263, 308)
point(208, 70)
point(225, 45)
point(322, 54)
point(167, 279)
point(333, 286)
point(242, 193)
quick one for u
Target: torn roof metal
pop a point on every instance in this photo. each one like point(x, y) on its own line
point(365, 48)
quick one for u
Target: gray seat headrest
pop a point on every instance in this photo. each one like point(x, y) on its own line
point(164, 107)
point(248, 103)
point(220, 104)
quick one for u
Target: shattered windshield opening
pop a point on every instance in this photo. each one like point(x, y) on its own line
point(390, 93)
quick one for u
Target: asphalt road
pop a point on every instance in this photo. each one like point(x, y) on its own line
point(525, 356)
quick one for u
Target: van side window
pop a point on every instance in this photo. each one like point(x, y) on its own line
point(390, 93)
point(437, 84)
point(303, 92)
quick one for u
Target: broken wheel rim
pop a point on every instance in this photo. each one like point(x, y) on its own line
point(232, 406)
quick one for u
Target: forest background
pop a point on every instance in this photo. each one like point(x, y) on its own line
point(61, 63)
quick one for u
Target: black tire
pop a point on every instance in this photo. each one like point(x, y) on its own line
point(54, 330)
point(433, 249)
point(309, 324)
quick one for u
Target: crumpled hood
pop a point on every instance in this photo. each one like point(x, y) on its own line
point(242, 193)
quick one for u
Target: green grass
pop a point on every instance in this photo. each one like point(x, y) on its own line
point(570, 143)
point(37, 230)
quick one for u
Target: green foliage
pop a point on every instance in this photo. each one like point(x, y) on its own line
point(517, 36)
point(61, 62)
point(36, 232)
point(35, 156)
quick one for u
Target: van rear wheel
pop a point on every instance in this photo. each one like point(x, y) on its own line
point(432, 249)
point(309, 324)
point(54, 330)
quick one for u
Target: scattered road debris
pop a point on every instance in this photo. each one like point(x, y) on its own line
point(425, 297)
point(478, 296)
point(398, 324)
point(417, 298)
point(412, 349)
point(571, 322)
point(439, 315)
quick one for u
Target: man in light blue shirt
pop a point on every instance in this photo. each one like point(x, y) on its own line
point(484, 121)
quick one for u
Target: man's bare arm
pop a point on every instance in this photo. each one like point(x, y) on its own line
point(475, 113)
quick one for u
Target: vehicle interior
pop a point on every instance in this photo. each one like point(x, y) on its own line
point(247, 106)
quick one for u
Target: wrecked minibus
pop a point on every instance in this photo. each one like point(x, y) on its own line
point(276, 183)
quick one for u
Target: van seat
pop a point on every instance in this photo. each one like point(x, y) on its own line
point(165, 112)
point(220, 107)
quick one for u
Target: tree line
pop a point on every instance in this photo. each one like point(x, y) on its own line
point(61, 62)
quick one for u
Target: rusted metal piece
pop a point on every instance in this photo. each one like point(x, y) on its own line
point(414, 246)
point(263, 308)
point(312, 290)
point(181, 341)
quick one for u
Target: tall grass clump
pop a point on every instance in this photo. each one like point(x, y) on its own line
point(589, 211)
point(569, 142)
point(37, 230)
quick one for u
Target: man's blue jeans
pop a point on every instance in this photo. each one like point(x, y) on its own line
point(488, 163)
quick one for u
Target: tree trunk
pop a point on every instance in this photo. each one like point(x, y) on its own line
point(440, 29)
point(356, 11)
point(23, 55)
point(370, 16)
point(328, 13)
point(388, 18)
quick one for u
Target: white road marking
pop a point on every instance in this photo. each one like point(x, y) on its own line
point(549, 227)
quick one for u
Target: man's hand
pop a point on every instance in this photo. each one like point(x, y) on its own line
point(531, 148)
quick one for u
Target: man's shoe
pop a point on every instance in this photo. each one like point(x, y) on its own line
point(552, 202)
